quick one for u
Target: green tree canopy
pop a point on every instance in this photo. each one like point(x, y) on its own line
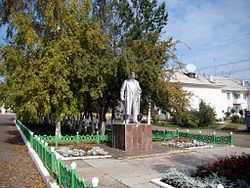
point(70, 57)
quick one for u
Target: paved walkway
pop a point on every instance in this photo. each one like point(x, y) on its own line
point(136, 173)
point(16, 167)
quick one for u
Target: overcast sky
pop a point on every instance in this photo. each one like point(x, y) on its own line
point(217, 31)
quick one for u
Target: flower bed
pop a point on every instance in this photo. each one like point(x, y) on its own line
point(185, 143)
point(225, 172)
point(71, 152)
point(67, 151)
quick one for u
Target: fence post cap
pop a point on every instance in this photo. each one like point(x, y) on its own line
point(214, 132)
point(199, 132)
point(187, 130)
point(73, 165)
point(231, 133)
point(95, 182)
point(52, 149)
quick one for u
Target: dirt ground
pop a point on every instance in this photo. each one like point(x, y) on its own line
point(17, 169)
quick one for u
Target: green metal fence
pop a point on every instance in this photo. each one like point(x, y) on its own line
point(66, 177)
point(77, 138)
point(165, 135)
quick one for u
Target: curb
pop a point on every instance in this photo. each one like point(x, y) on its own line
point(59, 156)
point(47, 178)
point(157, 181)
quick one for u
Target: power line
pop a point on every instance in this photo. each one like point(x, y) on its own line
point(221, 43)
point(225, 64)
point(240, 70)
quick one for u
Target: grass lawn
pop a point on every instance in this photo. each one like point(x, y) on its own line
point(174, 126)
point(231, 127)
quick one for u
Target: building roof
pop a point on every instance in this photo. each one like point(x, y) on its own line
point(199, 80)
point(230, 84)
point(225, 83)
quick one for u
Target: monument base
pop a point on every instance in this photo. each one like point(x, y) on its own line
point(132, 137)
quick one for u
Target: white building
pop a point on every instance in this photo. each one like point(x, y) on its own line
point(221, 93)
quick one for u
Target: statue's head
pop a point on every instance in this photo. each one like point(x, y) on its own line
point(132, 75)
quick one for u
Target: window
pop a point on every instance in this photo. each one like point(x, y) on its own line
point(236, 96)
point(245, 96)
point(228, 95)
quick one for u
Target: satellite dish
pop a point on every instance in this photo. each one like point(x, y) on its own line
point(191, 68)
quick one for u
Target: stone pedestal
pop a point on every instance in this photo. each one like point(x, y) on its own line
point(132, 137)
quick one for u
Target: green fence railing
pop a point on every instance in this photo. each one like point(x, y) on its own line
point(165, 135)
point(77, 138)
point(66, 177)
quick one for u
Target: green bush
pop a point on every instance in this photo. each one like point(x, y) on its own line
point(241, 112)
point(235, 119)
point(228, 114)
point(232, 111)
point(186, 119)
point(206, 114)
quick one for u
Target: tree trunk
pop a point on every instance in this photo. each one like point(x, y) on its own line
point(58, 129)
point(102, 120)
point(113, 115)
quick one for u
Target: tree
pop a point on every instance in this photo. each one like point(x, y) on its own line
point(134, 29)
point(171, 98)
point(206, 114)
point(68, 58)
point(52, 43)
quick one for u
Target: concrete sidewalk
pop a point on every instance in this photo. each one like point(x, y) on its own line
point(137, 172)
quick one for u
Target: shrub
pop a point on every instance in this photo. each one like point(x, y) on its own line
point(232, 110)
point(228, 114)
point(186, 119)
point(235, 119)
point(184, 178)
point(204, 117)
point(233, 168)
point(206, 114)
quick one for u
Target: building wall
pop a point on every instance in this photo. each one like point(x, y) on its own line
point(212, 96)
point(232, 102)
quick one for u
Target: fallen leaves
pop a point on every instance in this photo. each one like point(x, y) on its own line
point(17, 169)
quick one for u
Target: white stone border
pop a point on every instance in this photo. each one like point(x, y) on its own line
point(157, 181)
point(47, 178)
point(201, 147)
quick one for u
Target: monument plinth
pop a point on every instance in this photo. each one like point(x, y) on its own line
point(132, 137)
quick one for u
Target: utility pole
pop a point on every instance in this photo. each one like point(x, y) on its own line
point(215, 71)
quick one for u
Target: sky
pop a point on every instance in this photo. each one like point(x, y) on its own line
point(215, 35)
